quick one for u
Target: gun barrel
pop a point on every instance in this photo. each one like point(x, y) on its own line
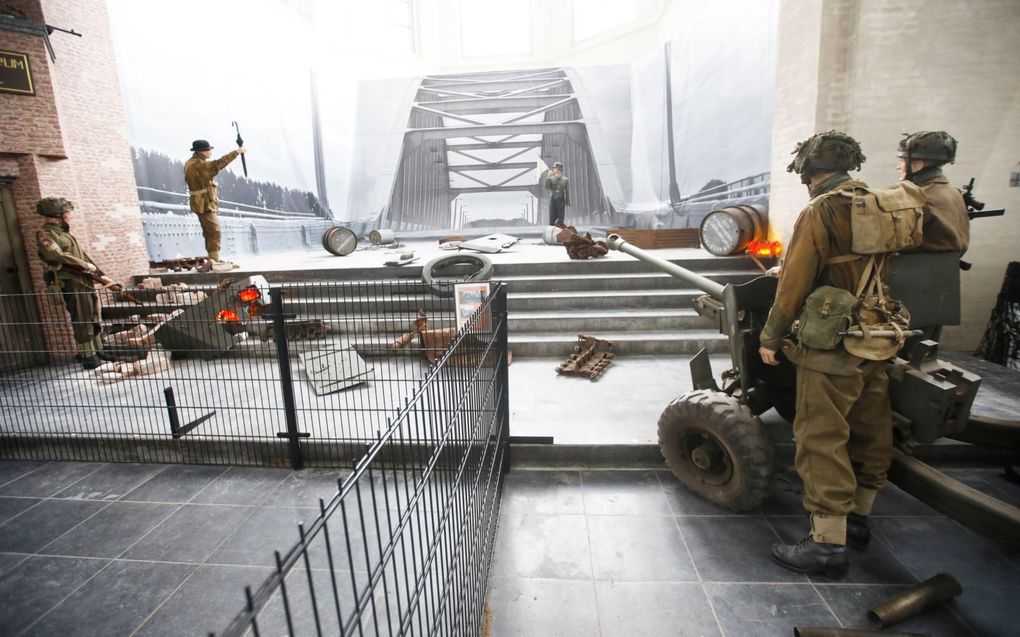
point(706, 285)
point(978, 214)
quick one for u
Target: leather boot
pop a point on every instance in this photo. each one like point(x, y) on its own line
point(812, 558)
point(91, 362)
point(858, 533)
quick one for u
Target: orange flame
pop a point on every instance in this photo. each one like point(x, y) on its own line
point(765, 248)
point(250, 294)
point(228, 316)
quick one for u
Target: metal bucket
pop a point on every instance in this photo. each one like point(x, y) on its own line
point(339, 240)
point(381, 237)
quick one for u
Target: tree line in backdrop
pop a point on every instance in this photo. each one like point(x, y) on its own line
point(161, 172)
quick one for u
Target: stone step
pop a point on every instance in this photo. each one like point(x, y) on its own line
point(617, 320)
point(598, 300)
point(620, 281)
point(559, 344)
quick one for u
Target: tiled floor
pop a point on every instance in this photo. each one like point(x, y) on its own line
point(120, 549)
point(631, 553)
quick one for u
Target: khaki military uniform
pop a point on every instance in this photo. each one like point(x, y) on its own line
point(559, 197)
point(946, 224)
point(843, 427)
point(199, 174)
point(58, 248)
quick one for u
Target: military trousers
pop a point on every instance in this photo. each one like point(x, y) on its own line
point(844, 436)
point(557, 210)
point(211, 233)
point(82, 304)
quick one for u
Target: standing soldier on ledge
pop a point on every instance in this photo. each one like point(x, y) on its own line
point(199, 172)
point(68, 274)
point(843, 426)
point(921, 157)
point(559, 198)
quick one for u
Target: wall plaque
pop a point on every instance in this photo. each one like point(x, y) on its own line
point(15, 74)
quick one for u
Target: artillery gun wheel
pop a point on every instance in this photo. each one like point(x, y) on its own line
point(717, 448)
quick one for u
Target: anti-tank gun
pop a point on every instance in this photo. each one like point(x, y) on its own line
point(715, 444)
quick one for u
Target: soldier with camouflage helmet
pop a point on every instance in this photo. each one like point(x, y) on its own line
point(199, 174)
point(67, 271)
point(921, 157)
point(843, 425)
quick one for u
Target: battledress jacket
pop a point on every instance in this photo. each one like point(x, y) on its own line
point(560, 187)
point(199, 174)
point(57, 247)
point(946, 224)
point(822, 231)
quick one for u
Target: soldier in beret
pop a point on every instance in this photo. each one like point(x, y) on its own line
point(199, 173)
point(68, 270)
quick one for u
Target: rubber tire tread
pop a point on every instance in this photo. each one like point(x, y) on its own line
point(484, 272)
point(732, 422)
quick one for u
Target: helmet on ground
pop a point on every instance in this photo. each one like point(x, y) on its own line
point(937, 146)
point(832, 151)
point(53, 206)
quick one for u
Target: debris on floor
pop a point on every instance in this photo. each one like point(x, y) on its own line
point(591, 357)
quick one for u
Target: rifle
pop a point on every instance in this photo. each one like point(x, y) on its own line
point(102, 280)
point(975, 208)
point(244, 162)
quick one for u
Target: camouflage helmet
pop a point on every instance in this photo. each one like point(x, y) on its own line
point(937, 146)
point(53, 206)
point(832, 151)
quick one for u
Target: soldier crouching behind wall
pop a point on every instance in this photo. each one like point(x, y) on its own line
point(843, 426)
point(68, 273)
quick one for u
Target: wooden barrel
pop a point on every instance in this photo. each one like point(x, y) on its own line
point(727, 231)
point(339, 240)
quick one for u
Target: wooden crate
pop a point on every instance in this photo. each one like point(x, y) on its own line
point(659, 239)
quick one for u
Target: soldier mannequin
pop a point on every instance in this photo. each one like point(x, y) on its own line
point(559, 197)
point(921, 157)
point(843, 427)
point(199, 172)
point(60, 251)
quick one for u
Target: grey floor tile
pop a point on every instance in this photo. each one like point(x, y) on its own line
point(895, 502)
point(992, 482)
point(734, 549)
point(874, 565)
point(206, 601)
point(265, 530)
point(110, 482)
point(242, 485)
point(111, 531)
point(683, 501)
point(990, 611)
point(851, 604)
point(304, 488)
point(43, 523)
point(556, 492)
point(785, 497)
point(9, 561)
point(14, 469)
point(176, 483)
point(635, 548)
point(272, 620)
point(38, 585)
point(50, 478)
point(532, 607)
point(767, 611)
point(929, 545)
point(191, 534)
point(652, 609)
point(623, 493)
point(116, 601)
point(549, 546)
point(10, 507)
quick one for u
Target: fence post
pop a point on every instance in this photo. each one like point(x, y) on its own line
point(500, 315)
point(286, 378)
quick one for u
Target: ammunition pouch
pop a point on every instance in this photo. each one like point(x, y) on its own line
point(826, 315)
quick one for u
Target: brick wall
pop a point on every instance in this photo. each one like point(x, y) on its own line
point(878, 68)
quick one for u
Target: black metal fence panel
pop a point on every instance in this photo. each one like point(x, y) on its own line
point(404, 546)
point(246, 373)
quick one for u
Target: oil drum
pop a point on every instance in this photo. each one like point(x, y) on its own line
point(339, 240)
point(728, 230)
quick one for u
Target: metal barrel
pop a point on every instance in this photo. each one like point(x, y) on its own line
point(382, 236)
point(706, 285)
point(931, 592)
point(749, 222)
point(825, 631)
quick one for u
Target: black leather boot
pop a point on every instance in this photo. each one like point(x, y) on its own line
point(91, 362)
point(812, 558)
point(858, 533)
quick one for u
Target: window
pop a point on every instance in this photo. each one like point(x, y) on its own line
point(592, 17)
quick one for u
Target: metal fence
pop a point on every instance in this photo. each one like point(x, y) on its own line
point(303, 374)
point(404, 546)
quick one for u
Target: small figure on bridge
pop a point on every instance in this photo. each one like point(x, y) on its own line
point(71, 273)
point(843, 425)
point(199, 173)
point(921, 157)
point(559, 196)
